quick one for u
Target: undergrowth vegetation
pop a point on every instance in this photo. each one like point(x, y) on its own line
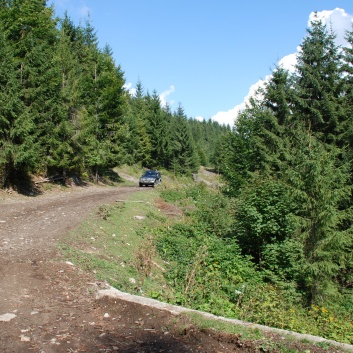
point(195, 259)
point(209, 271)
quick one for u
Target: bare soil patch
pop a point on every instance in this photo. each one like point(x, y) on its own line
point(47, 305)
point(168, 209)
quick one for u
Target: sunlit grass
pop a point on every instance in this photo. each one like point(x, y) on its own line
point(113, 244)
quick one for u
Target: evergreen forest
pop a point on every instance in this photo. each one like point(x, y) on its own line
point(275, 244)
point(65, 111)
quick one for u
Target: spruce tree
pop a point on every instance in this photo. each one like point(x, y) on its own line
point(318, 83)
point(235, 160)
point(139, 146)
point(346, 143)
point(319, 185)
point(30, 30)
point(274, 123)
point(346, 127)
point(157, 129)
point(104, 132)
point(183, 155)
point(64, 151)
point(19, 151)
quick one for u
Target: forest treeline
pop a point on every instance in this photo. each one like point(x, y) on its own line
point(64, 109)
point(288, 163)
point(278, 250)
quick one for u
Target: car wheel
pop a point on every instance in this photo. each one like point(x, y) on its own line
point(141, 184)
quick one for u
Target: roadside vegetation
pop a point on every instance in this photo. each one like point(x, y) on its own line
point(176, 243)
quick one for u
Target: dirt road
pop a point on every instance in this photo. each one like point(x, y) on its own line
point(47, 305)
point(30, 227)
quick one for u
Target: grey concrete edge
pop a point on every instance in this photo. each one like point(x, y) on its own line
point(114, 293)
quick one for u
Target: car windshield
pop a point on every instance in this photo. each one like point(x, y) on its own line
point(150, 174)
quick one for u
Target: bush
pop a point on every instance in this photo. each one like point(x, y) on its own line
point(208, 269)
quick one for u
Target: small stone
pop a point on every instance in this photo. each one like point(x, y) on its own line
point(25, 338)
point(54, 341)
point(106, 316)
point(132, 280)
point(7, 317)
point(140, 217)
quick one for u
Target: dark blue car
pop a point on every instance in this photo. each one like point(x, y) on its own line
point(150, 178)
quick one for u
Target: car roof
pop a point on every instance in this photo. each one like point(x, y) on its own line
point(151, 172)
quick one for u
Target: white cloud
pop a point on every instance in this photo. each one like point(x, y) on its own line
point(130, 88)
point(229, 117)
point(199, 118)
point(163, 96)
point(338, 19)
point(288, 62)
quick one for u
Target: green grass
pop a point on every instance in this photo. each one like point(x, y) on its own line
point(204, 323)
point(114, 245)
point(260, 341)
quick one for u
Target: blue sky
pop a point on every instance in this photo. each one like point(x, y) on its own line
point(206, 55)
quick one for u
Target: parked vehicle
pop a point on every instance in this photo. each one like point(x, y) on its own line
point(150, 178)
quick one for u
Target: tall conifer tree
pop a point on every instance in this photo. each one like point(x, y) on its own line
point(31, 32)
point(319, 185)
point(318, 83)
point(157, 129)
point(183, 156)
point(64, 154)
point(18, 149)
point(139, 146)
point(104, 131)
